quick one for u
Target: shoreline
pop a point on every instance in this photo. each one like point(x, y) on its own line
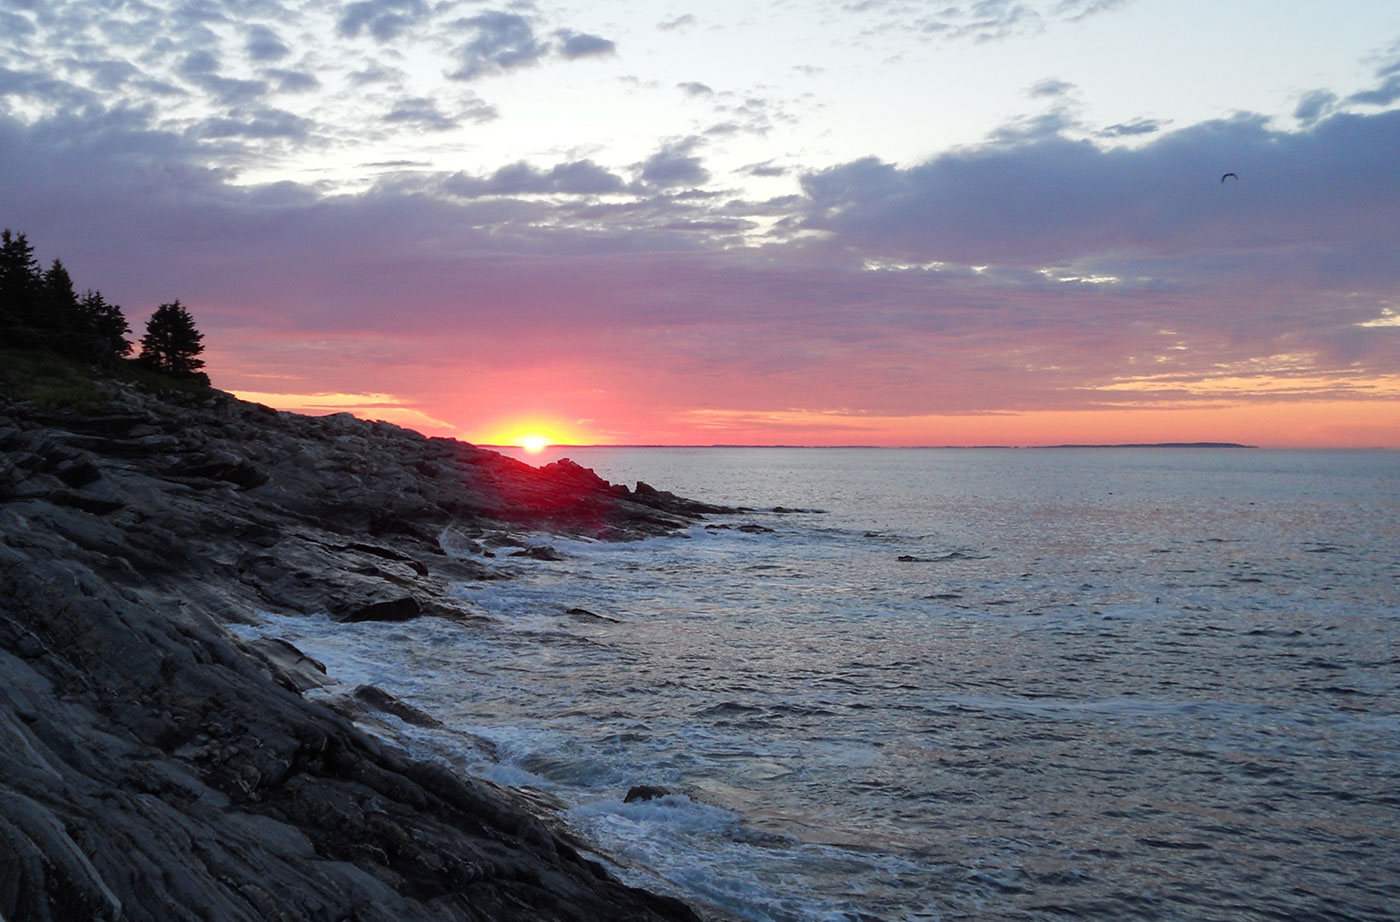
point(158, 766)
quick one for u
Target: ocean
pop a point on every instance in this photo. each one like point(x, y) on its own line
point(1000, 684)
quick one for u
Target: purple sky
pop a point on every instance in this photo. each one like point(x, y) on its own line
point(1049, 264)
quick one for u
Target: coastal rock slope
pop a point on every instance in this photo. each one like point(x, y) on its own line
point(154, 767)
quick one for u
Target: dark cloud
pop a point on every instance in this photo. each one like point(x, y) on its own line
point(695, 88)
point(294, 81)
point(1314, 105)
point(1075, 10)
point(1034, 203)
point(1050, 87)
point(1135, 128)
point(383, 19)
point(46, 89)
point(264, 45)
point(375, 73)
point(501, 41)
point(767, 168)
point(263, 124)
point(675, 164)
point(201, 69)
point(1029, 128)
point(578, 177)
point(978, 21)
point(107, 75)
point(680, 22)
point(15, 25)
point(581, 45)
point(424, 113)
point(198, 64)
point(1383, 95)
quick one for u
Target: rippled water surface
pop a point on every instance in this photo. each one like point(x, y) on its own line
point(1001, 684)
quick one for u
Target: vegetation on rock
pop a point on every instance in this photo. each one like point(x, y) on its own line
point(41, 312)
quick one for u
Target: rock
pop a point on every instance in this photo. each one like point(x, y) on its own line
point(539, 552)
point(226, 467)
point(293, 668)
point(641, 792)
point(403, 608)
point(381, 700)
point(154, 766)
point(585, 613)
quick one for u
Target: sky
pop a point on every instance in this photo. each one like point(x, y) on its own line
point(824, 222)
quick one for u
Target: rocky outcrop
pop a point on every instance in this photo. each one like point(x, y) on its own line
point(154, 767)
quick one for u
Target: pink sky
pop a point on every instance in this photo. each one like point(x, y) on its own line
point(1051, 279)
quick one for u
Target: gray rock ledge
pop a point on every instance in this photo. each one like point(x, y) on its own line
point(154, 767)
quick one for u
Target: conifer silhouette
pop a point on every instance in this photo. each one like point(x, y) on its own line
point(172, 342)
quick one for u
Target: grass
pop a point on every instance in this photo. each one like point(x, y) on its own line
point(56, 384)
point(49, 381)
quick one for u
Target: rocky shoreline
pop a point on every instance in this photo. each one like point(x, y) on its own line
point(154, 766)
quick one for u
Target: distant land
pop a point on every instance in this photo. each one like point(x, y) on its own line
point(911, 447)
point(1160, 445)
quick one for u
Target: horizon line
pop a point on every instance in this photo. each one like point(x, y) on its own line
point(1067, 445)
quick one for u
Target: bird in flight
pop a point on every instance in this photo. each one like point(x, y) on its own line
point(1228, 175)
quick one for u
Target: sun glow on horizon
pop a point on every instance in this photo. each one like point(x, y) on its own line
point(534, 444)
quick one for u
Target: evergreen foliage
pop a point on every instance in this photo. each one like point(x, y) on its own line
point(171, 342)
point(41, 310)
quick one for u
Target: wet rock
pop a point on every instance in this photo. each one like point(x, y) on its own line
point(403, 608)
point(585, 613)
point(381, 700)
point(539, 552)
point(643, 792)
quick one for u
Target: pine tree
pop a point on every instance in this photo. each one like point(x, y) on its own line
point(57, 318)
point(171, 342)
point(104, 329)
point(20, 284)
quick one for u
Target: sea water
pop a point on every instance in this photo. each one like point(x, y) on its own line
point(956, 684)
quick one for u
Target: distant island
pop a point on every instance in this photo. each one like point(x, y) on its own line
point(1158, 445)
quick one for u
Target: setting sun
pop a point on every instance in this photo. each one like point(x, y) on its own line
point(534, 443)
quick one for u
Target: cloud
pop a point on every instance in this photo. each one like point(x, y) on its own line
point(107, 74)
point(293, 81)
point(1134, 128)
point(582, 45)
point(16, 25)
point(578, 177)
point(1043, 272)
point(1387, 92)
point(201, 69)
point(680, 22)
point(765, 169)
point(1043, 200)
point(1050, 87)
point(262, 124)
point(675, 164)
point(1314, 104)
point(1076, 10)
point(383, 19)
point(695, 88)
point(501, 42)
point(264, 45)
point(424, 113)
point(981, 21)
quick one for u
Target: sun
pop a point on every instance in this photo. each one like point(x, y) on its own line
point(534, 444)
